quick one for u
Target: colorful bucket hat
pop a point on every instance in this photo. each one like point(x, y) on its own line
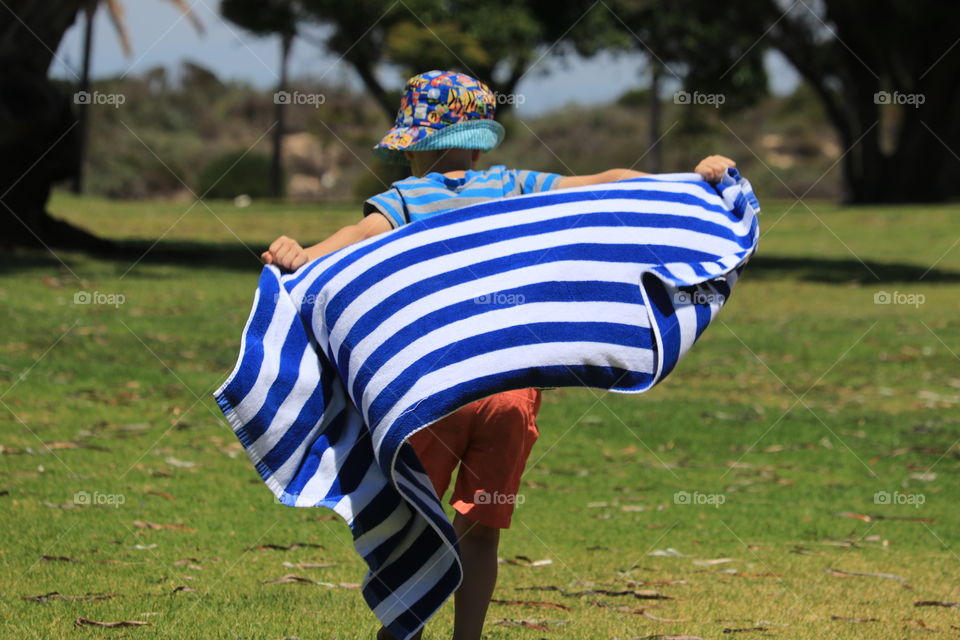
point(442, 110)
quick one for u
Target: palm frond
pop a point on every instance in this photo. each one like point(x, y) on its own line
point(116, 10)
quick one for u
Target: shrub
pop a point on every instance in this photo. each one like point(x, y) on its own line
point(236, 173)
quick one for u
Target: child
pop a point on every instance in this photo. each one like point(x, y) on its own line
point(444, 123)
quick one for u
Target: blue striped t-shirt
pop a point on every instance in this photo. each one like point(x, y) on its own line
point(414, 198)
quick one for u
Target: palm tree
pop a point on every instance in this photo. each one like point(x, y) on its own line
point(116, 12)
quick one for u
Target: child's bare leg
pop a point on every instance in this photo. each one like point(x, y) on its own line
point(383, 634)
point(478, 551)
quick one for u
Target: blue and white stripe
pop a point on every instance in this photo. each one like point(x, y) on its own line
point(416, 198)
point(605, 286)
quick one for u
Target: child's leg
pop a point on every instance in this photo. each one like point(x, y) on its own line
point(485, 496)
point(383, 634)
point(478, 552)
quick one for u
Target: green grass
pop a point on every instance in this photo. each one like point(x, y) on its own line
point(128, 387)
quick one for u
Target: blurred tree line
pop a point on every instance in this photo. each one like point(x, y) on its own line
point(885, 74)
point(212, 138)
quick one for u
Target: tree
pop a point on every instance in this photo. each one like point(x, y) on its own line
point(497, 41)
point(40, 141)
point(887, 74)
point(271, 17)
point(868, 62)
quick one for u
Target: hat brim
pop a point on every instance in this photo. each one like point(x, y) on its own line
point(484, 135)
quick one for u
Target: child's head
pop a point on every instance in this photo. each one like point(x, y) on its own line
point(444, 122)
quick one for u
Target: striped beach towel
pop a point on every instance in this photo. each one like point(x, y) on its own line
point(604, 286)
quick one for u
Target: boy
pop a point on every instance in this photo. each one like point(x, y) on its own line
point(445, 121)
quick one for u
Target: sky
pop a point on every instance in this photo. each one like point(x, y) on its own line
point(161, 36)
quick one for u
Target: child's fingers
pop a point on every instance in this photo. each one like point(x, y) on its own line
point(282, 254)
point(279, 242)
point(266, 257)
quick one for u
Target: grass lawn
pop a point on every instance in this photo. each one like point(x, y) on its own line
point(710, 505)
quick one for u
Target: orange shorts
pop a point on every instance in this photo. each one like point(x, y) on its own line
point(491, 440)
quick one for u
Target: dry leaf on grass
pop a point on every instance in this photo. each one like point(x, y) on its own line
point(639, 594)
point(65, 505)
point(182, 562)
point(79, 622)
point(290, 547)
point(872, 517)
point(803, 551)
point(838, 573)
point(669, 552)
point(184, 589)
point(326, 518)
point(154, 526)
point(714, 561)
point(655, 583)
point(524, 561)
point(56, 595)
point(937, 603)
point(162, 494)
point(62, 445)
point(531, 603)
point(854, 620)
point(309, 565)
point(290, 578)
point(537, 625)
point(47, 558)
point(745, 629)
point(615, 607)
point(176, 462)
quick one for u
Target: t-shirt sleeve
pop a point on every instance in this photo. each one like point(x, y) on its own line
point(536, 181)
point(390, 204)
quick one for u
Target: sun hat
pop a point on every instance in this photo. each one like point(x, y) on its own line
point(442, 110)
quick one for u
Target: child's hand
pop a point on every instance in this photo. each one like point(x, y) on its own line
point(713, 168)
point(286, 253)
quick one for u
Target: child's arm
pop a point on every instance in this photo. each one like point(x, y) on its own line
point(711, 168)
point(611, 175)
point(287, 253)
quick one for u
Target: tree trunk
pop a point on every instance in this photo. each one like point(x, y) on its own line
point(276, 160)
point(83, 108)
point(656, 157)
point(38, 137)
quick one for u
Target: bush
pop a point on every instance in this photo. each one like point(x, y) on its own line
point(236, 173)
